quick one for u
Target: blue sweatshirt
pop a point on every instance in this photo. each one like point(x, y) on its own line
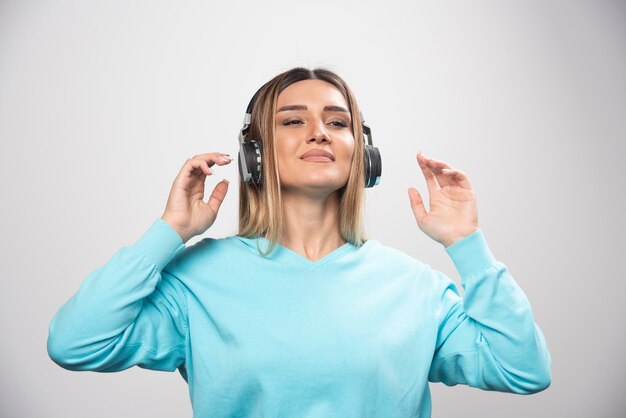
point(357, 333)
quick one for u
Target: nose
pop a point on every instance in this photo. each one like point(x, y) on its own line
point(318, 133)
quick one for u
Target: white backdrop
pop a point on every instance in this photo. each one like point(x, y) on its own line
point(102, 102)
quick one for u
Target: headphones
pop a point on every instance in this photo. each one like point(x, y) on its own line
point(251, 152)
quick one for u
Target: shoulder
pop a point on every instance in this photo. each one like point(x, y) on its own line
point(396, 262)
point(386, 256)
point(207, 251)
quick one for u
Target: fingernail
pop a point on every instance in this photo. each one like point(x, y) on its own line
point(226, 181)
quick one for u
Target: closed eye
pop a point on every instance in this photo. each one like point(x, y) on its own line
point(337, 123)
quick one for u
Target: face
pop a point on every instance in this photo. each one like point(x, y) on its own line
point(313, 115)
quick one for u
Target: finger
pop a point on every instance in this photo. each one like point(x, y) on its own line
point(197, 164)
point(431, 181)
point(436, 166)
point(214, 158)
point(417, 204)
point(188, 174)
point(457, 177)
point(218, 195)
point(210, 154)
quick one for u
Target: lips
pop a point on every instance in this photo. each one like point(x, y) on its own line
point(318, 155)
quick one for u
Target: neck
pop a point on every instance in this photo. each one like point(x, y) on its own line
point(311, 224)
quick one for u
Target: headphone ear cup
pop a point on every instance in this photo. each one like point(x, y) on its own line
point(373, 165)
point(251, 152)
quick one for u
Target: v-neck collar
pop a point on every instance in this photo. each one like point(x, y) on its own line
point(280, 252)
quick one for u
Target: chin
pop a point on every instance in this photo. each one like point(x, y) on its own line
point(320, 183)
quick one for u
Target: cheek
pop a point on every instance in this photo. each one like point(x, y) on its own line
point(348, 148)
point(286, 154)
point(283, 145)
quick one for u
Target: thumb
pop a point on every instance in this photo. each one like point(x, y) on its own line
point(417, 204)
point(218, 195)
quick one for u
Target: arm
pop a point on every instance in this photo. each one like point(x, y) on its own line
point(130, 311)
point(488, 339)
point(127, 312)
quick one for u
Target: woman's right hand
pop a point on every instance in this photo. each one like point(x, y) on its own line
point(186, 211)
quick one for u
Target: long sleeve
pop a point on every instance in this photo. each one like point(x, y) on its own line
point(127, 312)
point(487, 339)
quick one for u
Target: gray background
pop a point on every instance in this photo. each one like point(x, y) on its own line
point(102, 102)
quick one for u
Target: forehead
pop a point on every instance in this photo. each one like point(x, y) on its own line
point(310, 93)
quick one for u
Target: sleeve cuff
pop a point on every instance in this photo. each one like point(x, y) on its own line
point(159, 243)
point(471, 255)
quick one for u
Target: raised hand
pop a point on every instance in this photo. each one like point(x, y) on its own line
point(453, 212)
point(186, 211)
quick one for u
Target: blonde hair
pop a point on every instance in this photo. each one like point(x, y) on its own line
point(260, 206)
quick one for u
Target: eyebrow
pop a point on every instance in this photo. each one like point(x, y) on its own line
point(330, 108)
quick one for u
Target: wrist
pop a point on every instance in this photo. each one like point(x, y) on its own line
point(458, 237)
point(158, 244)
point(184, 236)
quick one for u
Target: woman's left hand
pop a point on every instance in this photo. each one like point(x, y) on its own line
point(453, 213)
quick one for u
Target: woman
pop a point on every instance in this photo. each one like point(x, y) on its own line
point(299, 315)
